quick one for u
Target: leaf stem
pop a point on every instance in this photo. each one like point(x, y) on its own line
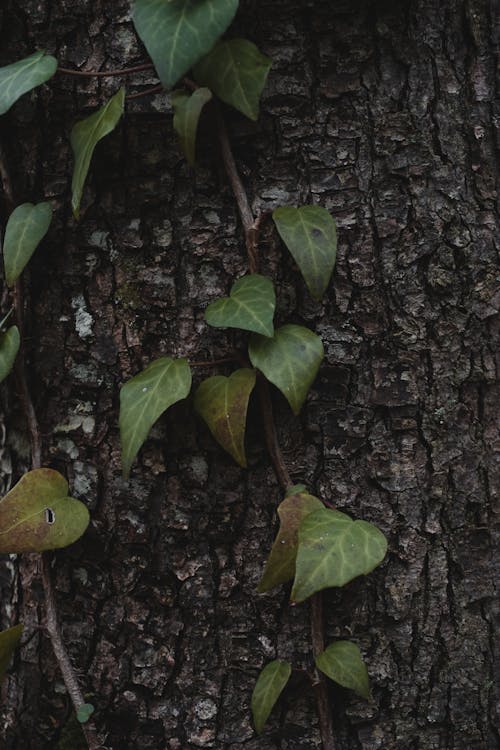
point(214, 362)
point(105, 73)
point(146, 92)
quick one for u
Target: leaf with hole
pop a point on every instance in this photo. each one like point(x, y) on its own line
point(85, 135)
point(223, 403)
point(37, 514)
point(342, 662)
point(268, 688)
point(176, 33)
point(250, 306)
point(310, 234)
point(9, 640)
point(290, 360)
point(144, 398)
point(22, 76)
point(334, 549)
point(236, 71)
point(84, 712)
point(9, 347)
point(27, 226)
point(280, 566)
point(187, 111)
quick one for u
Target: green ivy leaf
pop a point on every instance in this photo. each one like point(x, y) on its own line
point(294, 489)
point(144, 398)
point(84, 712)
point(268, 688)
point(223, 403)
point(84, 138)
point(310, 235)
point(342, 662)
point(27, 226)
point(176, 33)
point(22, 76)
point(250, 306)
point(236, 71)
point(187, 111)
point(37, 514)
point(334, 549)
point(9, 347)
point(290, 360)
point(8, 643)
point(280, 566)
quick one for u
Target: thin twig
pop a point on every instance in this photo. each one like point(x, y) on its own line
point(105, 73)
point(214, 362)
point(146, 92)
point(251, 229)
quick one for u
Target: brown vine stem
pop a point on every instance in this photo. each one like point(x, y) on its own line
point(147, 92)
point(251, 230)
point(214, 362)
point(52, 624)
point(105, 73)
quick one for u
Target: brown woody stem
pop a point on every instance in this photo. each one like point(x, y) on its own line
point(105, 73)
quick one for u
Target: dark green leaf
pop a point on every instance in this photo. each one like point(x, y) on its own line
point(9, 346)
point(176, 33)
point(334, 549)
point(223, 403)
point(22, 76)
point(250, 306)
point(187, 111)
point(37, 514)
point(236, 71)
point(267, 690)
point(26, 227)
point(144, 398)
point(342, 662)
point(290, 360)
point(84, 712)
point(280, 566)
point(84, 138)
point(310, 234)
point(8, 643)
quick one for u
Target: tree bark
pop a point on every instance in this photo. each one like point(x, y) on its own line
point(385, 114)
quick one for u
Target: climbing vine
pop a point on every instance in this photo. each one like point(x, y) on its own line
point(317, 546)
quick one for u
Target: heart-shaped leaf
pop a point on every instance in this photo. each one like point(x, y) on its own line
point(84, 712)
point(176, 33)
point(250, 306)
point(85, 135)
point(342, 662)
point(9, 346)
point(187, 111)
point(280, 566)
point(310, 234)
point(334, 549)
point(290, 360)
point(223, 403)
point(236, 71)
point(22, 76)
point(26, 227)
point(267, 690)
point(144, 398)
point(37, 514)
point(8, 643)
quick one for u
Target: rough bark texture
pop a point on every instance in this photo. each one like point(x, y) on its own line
point(384, 113)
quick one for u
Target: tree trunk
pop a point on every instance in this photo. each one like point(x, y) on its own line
point(383, 113)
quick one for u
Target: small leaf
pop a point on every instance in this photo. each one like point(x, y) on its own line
point(290, 360)
point(22, 76)
point(250, 306)
point(27, 226)
point(176, 33)
point(8, 643)
point(9, 347)
point(37, 514)
point(310, 234)
point(187, 111)
point(84, 138)
point(144, 398)
point(342, 662)
point(334, 549)
point(280, 566)
point(295, 489)
point(84, 712)
point(223, 403)
point(267, 690)
point(236, 71)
